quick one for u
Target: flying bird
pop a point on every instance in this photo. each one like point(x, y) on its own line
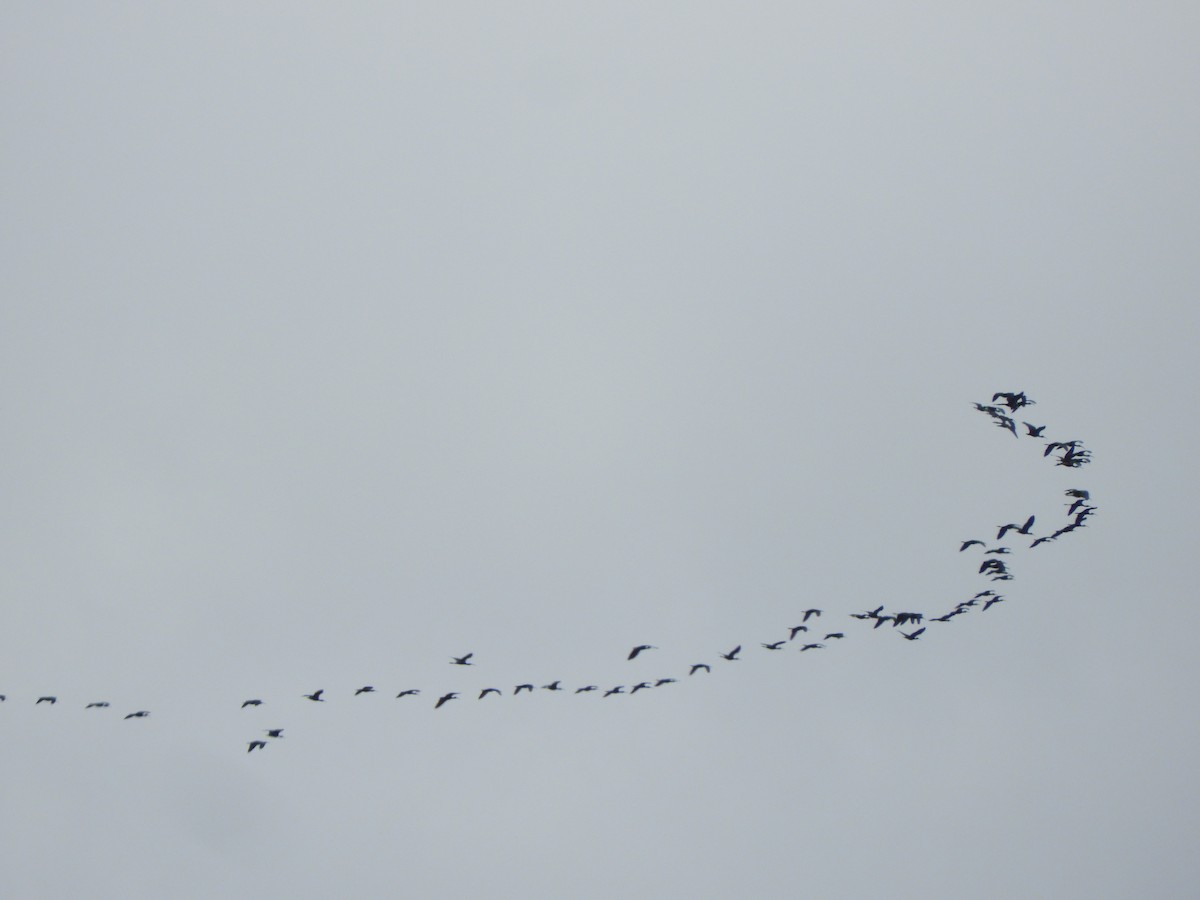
point(246, 703)
point(1020, 529)
point(914, 635)
point(462, 660)
point(411, 692)
point(811, 647)
point(639, 648)
point(808, 613)
point(663, 681)
point(487, 691)
point(837, 635)
point(552, 686)
point(584, 690)
point(778, 645)
point(619, 689)
point(1080, 494)
point(366, 689)
point(275, 732)
point(315, 696)
point(1011, 400)
point(444, 698)
point(256, 745)
point(696, 667)
point(522, 687)
point(966, 544)
point(140, 714)
point(50, 700)
point(1034, 430)
point(637, 687)
point(992, 602)
point(99, 704)
point(795, 630)
point(732, 654)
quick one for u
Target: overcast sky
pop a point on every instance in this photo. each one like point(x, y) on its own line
point(336, 341)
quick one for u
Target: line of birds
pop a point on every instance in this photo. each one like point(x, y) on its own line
point(992, 567)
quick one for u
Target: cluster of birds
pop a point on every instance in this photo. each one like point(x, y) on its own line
point(994, 567)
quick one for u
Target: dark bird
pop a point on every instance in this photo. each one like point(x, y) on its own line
point(1042, 540)
point(99, 704)
point(808, 613)
point(552, 686)
point(1006, 422)
point(365, 689)
point(462, 660)
point(879, 620)
point(639, 648)
point(914, 635)
point(1034, 430)
point(811, 647)
point(637, 687)
point(487, 691)
point(523, 687)
point(778, 645)
point(795, 630)
point(992, 602)
point(584, 690)
point(966, 544)
point(947, 617)
point(50, 700)
point(998, 551)
point(1020, 529)
point(837, 635)
point(869, 614)
point(444, 698)
point(246, 703)
point(411, 692)
point(1068, 446)
point(663, 681)
point(992, 565)
point(619, 689)
point(275, 732)
point(1080, 494)
point(140, 714)
point(732, 654)
point(256, 745)
point(1011, 400)
point(316, 696)
point(696, 667)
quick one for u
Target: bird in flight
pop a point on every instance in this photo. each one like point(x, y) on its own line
point(444, 698)
point(275, 732)
point(1020, 529)
point(696, 667)
point(140, 714)
point(315, 696)
point(246, 703)
point(795, 630)
point(1034, 430)
point(365, 689)
point(99, 704)
point(637, 687)
point(523, 687)
point(552, 686)
point(811, 647)
point(639, 648)
point(584, 690)
point(411, 692)
point(966, 544)
point(778, 645)
point(50, 700)
point(834, 636)
point(619, 689)
point(808, 613)
point(914, 635)
point(462, 660)
point(487, 691)
point(732, 654)
point(663, 681)
point(256, 745)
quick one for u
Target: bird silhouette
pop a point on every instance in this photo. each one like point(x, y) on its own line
point(966, 544)
point(663, 681)
point(778, 645)
point(246, 703)
point(619, 689)
point(462, 660)
point(836, 635)
point(809, 613)
point(256, 745)
point(275, 732)
point(50, 700)
point(1020, 529)
point(315, 696)
point(732, 654)
point(639, 686)
point(99, 704)
point(140, 714)
point(639, 648)
point(584, 690)
point(1034, 430)
point(914, 635)
point(811, 647)
point(411, 692)
point(696, 667)
point(445, 698)
point(1080, 494)
point(487, 691)
point(523, 687)
point(552, 686)
point(795, 630)
point(992, 601)
point(1013, 401)
point(365, 689)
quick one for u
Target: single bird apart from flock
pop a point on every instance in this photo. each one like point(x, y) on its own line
point(462, 660)
point(638, 649)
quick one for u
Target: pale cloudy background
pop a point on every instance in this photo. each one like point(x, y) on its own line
point(338, 340)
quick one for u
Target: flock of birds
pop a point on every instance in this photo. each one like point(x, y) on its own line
point(994, 567)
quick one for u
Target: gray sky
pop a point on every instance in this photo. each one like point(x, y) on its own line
point(334, 342)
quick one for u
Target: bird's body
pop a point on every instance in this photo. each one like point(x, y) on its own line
point(487, 691)
point(619, 689)
point(365, 689)
point(811, 647)
point(523, 687)
point(639, 686)
point(697, 667)
point(50, 700)
point(315, 696)
point(639, 648)
point(411, 692)
point(836, 635)
point(912, 636)
point(731, 656)
point(462, 660)
point(140, 714)
point(256, 745)
point(99, 704)
point(966, 544)
point(809, 613)
point(552, 686)
point(445, 698)
point(795, 630)
point(584, 690)
point(275, 732)
point(778, 645)
point(246, 703)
